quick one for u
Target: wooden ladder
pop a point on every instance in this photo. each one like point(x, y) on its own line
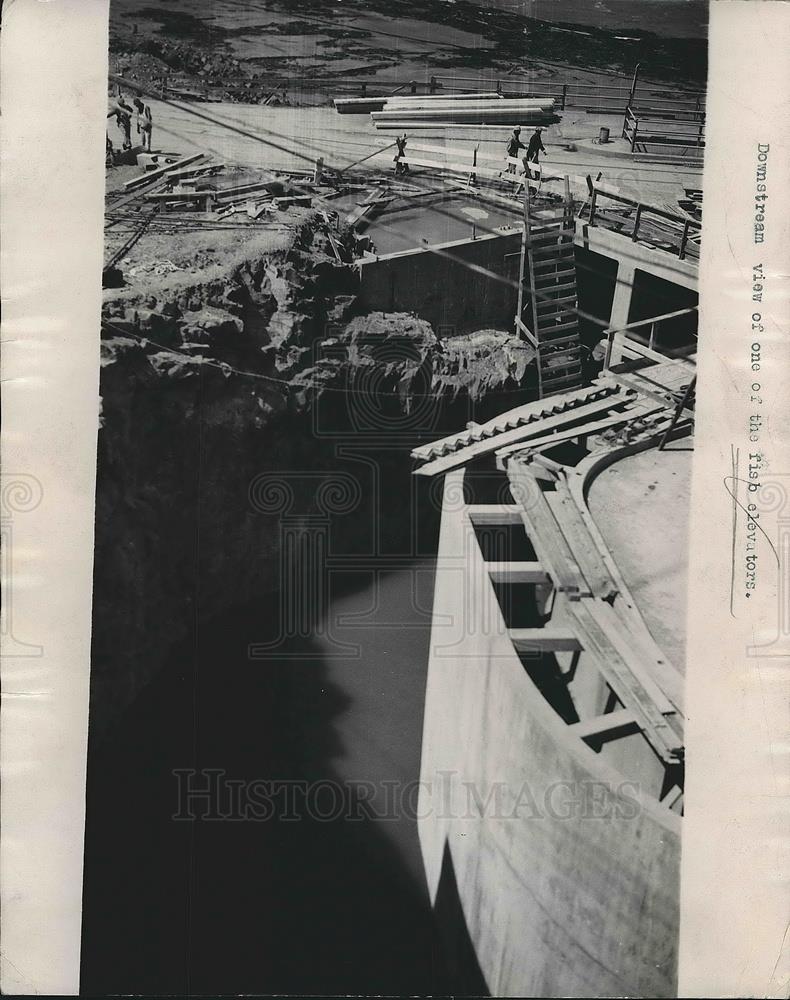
point(548, 316)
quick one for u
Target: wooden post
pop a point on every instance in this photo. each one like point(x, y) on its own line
point(684, 239)
point(433, 85)
point(564, 95)
point(414, 86)
point(523, 261)
point(593, 198)
point(609, 344)
point(319, 170)
point(364, 90)
point(678, 410)
point(637, 220)
point(632, 93)
point(499, 87)
point(633, 138)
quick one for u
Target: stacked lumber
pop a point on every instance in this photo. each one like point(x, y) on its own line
point(364, 105)
point(410, 112)
point(450, 109)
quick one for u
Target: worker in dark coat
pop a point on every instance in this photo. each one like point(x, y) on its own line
point(535, 146)
point(400, 142)
point(514, 144)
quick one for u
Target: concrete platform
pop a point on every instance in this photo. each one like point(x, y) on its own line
point(292, 138)
point(641, 506)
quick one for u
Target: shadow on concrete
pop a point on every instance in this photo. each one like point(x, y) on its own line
point(464, 975)
point(242, 905)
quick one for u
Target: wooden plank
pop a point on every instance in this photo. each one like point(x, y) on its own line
point(630, 649)
point(179, 196)
point(517, 572)
point(494, 514)
point(553, 303)
point(548, 541)
point(582, 430)
point(580, 542)
point(199, 170)
point(533, 428)
point(548, 639)
point(646, 700)
point(545, 285)
point(634, 381)
point(612, 725)
point(534, 410)
point(544, 237)
point(125, 199)
point(230, 194)
point(149, 175)
point(657, 664)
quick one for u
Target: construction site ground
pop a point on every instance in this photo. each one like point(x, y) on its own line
point(293, 138)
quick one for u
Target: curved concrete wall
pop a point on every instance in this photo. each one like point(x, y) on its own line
point(566, 876)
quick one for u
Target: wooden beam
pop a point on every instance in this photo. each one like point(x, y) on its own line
point(548, 639)
point(531, 429)
point(580, 541)
point(517, 572)
point(581, 430)
point(612, 725)
point(494, 513)
point(179, 196)
point(628, 678)
point(545, 535)
point(144, 178)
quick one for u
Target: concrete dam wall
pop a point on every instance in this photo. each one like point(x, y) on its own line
point(564, 874)
point(443, 288)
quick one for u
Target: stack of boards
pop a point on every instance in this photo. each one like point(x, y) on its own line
point(458, 109)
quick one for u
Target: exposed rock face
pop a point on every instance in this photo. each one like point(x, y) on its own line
point(205, 386)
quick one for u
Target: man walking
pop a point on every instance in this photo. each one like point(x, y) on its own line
point(145, 124)
point(400, 142)
point(535, 145)
point(514, 144)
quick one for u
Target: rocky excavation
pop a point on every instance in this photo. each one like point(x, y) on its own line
point(219, 348)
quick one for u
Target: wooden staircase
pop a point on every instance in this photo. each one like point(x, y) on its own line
point(547, 298)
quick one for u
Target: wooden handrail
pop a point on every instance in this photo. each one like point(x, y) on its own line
point(652, 209)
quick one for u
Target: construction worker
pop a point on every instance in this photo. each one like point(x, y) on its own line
point(535, 146)
point(514, 144)
point(400, 142)
point(123, 116)
point(145, 124)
